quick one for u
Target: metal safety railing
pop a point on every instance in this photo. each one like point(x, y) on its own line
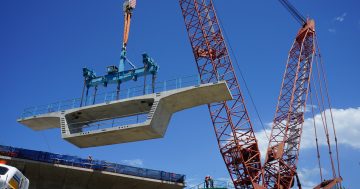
point(98, 165)
point(112, 96)
point(217, 184)
point(103, 124)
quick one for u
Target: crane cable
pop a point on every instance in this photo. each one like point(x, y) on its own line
point(322, 110)
point(242, 76)
point(293, 11)
point(316, 137)
point(329, 103)
point(324, 123)
point(322, 70)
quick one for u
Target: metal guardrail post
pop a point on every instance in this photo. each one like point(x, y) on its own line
point(35, 109)
point(91, 100)
point(86, 99)
point(49, 107)
point(73, 103)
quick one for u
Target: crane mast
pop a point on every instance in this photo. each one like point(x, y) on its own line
point(284, 145)
point(232, 125)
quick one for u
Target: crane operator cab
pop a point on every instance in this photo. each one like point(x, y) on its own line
point(12, 178)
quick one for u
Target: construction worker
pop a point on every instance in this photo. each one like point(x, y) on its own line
point(211, 181)
point(207, 181)
point(90, 160)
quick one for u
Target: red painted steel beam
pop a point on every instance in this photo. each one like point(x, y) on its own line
point(284, 145)
point(233, 129)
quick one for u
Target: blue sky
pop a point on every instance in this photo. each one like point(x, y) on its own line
point(45, 44)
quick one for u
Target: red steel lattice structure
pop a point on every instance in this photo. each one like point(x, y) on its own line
point(284, 145)
point(232, 125)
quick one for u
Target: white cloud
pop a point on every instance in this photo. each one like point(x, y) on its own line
point(341, 18)
point(337, 19)
point(263, 141)
point(133, 162)
point(347, 125)
point(310, 107)
point(332, 30)
point(193, 182)
point(309, 177)
point(224, 182)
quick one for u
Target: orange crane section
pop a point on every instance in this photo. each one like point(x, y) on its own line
point(284, 145)
point(233, 128)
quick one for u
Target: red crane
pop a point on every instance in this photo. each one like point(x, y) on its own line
point(232, 125)
point(282, 156)
point(284, 144)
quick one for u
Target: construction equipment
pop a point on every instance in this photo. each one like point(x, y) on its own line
point(283, 151)
point(230, 119)
point(118, 75)
point(11, 177)
point(284, 145)
point(232, 125)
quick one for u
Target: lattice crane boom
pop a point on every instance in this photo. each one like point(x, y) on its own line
point(232, 125)
point(284, 144)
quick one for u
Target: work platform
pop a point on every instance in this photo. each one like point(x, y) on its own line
point(54, 171)
point(156, 107)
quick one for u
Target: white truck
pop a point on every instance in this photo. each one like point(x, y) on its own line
point(12, 178)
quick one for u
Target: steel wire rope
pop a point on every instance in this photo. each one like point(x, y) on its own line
point(293, 11)
point(326, 130)
point(323, 104)
point(316, 136)
point(329, 103)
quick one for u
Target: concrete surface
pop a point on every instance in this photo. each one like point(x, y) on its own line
point(158, 106)
point(55, 176)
